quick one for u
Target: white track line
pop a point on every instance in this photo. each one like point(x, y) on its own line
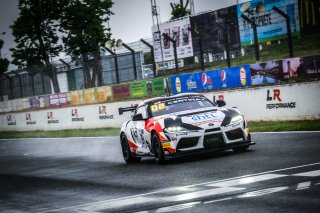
point(219, 200)
point(164, 190)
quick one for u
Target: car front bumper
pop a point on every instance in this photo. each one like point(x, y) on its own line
point(223, 147)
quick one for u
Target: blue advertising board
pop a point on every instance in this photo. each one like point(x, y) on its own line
point(270, 25)
point(211, 80)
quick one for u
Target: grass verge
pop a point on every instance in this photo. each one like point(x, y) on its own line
point(62, 133)
point(281, 126)
point(257, 126)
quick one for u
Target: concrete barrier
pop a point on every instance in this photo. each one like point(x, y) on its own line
point(276, 102)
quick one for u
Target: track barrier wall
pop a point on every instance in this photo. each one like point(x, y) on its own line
point(277, 102)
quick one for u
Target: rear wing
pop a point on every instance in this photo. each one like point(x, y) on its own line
point(126, 109)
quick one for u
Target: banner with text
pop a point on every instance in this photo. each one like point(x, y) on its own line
point(270, 25)
point(210, 80)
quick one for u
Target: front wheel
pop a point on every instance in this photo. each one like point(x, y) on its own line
point(127, 156)
point(157, 149)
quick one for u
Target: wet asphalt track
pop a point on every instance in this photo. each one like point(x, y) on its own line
point(281, 173)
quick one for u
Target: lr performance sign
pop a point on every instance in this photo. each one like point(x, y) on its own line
point(180, 32)
point(275, 101)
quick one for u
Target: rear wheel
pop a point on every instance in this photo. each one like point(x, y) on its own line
point(157, 149)
point(127, 156)
point(241, 149)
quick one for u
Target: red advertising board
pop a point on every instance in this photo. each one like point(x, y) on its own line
point(121, 91)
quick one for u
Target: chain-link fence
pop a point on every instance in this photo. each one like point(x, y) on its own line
point(100, 68)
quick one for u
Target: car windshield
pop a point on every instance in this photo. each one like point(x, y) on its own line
point(178, 104)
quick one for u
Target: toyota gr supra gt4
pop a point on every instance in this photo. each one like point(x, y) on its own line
point(168, 127)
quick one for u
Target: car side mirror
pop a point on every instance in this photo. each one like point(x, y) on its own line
point(221, 103)
point(138, 117)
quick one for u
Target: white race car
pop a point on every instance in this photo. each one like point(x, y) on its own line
point(168, 127)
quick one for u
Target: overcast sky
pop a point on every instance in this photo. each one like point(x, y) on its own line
point(131, 22)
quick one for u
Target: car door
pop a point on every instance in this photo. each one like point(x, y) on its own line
point(138, 130)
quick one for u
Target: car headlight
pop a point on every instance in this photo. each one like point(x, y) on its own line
point(236, 119)
point(172, 129)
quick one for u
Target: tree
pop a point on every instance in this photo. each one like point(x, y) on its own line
point(4, 63)
point(35, 32)
point(179, 10)
point(82, 23)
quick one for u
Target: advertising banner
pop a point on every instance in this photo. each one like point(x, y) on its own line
point(210, 80)
point(57, 100)
point(103, 94)
point(54, 100)
point(160, 86)
point(34, 102)
point(44, 101)
point(266, 73)
point(140, 89)
point(270, 25)
point(75, 98)
point(301, 67)
point(211, 26)
point(37, 102)
point(63, 100)
point(89, 96)
point(109, 93)
point(178, 30)
point(309, 67)
point(121, 91)
point(290, 67)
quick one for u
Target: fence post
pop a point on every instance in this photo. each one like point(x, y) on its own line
point(115, 63)
point(10, 85)
point(152, 56)
point(133, 60)
point(20, 82)
point(281, 13)
point(174, 49)
point(255, 34)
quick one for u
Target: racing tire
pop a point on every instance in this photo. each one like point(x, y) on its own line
point(127, 155)
point(157, 149)
point(241, 149)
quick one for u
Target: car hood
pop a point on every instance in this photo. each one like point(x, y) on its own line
point(206, 118)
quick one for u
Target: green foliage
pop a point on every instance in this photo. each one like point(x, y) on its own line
point(179, 10)
point(4, 63)
point(278, 126)
point(82, 23)
point(35, 32)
